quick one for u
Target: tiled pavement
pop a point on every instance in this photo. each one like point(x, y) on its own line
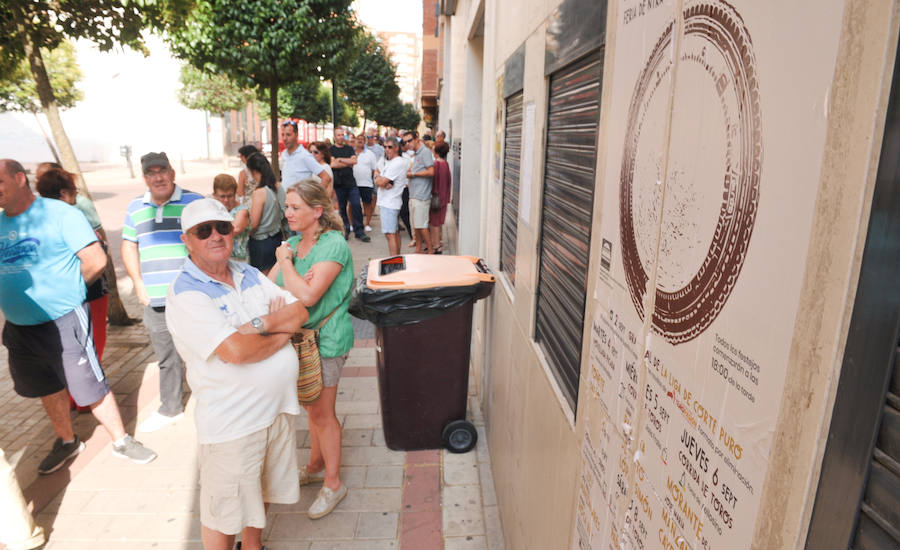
point(412, 501)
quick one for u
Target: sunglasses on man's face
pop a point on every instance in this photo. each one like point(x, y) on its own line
point(407, 141)
point(390, 146)
point(204, 230)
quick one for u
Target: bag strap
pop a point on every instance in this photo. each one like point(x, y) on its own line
point(325, 320)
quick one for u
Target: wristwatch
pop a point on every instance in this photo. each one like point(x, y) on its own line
point(257, 323)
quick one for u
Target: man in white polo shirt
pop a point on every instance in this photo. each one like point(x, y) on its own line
point(297, 163)
point(233, 326)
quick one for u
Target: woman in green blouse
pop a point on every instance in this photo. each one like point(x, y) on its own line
point(316, 266)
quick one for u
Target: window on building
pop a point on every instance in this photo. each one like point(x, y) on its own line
point(512, 158)
point(573, 116)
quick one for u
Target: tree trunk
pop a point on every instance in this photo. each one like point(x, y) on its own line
point(365, 121)
point(334, 109)
point(51, 111)
point(47, 138)
point(273, 123)
point(117, 313)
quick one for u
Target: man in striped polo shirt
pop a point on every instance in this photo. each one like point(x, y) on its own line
point(153, 254)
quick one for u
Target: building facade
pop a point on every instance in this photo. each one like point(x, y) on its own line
point(691, 206)
point(404, 49)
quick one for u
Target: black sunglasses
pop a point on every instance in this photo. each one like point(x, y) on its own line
point(407, 141)
point(390, 146)
point(204, 230)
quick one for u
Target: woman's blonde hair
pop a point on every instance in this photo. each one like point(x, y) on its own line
point(312, 193)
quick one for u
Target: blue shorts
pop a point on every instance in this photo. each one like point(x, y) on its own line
point(365, 194)
point(389, 219)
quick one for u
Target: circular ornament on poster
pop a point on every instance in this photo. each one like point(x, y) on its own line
point(709, 205)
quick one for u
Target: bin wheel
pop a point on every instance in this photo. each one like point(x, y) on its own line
point(459, 436)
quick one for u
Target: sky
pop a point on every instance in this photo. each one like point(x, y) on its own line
point(391, 15)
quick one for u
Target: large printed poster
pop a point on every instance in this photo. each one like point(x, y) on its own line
point(716, 126)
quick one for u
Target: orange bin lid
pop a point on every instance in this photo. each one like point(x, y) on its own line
point(416, 271)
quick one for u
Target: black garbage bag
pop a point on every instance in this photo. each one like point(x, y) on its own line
point(388, 308)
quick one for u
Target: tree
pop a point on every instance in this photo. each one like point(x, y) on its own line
point(29, 26)
point(18, 91)
point(211, 92)
point(309, 100)
point(409, 117)
point(267, 43)
point(371, 84)
point(399, 115)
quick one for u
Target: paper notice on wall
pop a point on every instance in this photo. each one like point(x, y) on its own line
point(526, 174)
point(710, 176)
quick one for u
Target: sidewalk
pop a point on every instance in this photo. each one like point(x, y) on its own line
point(412, 501)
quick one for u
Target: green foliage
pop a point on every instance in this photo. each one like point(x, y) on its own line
point(371, 82)
point(18, 91)
point(400, 115)
point(107, 23)
point(409, 117)
point(309, 100)
point(211, 92)
point(267, 43)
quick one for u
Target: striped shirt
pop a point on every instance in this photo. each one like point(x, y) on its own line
point(157, 230)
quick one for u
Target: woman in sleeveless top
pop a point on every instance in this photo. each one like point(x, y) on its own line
point(265, 215)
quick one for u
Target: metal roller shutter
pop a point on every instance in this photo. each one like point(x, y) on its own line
point(566, 212)
point(878, 526)
point(512, 158)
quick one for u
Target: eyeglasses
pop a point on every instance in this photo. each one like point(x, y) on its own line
point(289, 123)
point(407, 141)
point(154, 173)
point(390, 146)
point(204, 230)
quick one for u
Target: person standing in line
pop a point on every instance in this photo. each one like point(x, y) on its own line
point(420, 176)
point(49, 253)
point(322, 154)
point(441, 188)
point(225, 191)
point(245, 182)
point(297, 163)
point(152, 252)
point(362, 173)
point(316, 266)
point(391, 182)
point(266, 214)
point(233, 327)
point(54, 182)
point(373, 145)
point(342, 160)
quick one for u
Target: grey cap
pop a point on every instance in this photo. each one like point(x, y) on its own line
point(154, 159)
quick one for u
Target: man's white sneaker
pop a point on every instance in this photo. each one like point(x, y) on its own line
point(158, 421)
point(368, 228)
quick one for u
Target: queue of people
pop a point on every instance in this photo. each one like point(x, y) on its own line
point(225, 282)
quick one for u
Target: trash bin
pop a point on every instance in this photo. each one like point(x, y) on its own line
point(421, 306)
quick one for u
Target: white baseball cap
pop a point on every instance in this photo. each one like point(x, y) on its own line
point(203, 210)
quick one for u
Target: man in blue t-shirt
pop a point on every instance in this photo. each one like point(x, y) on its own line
point(48, 253)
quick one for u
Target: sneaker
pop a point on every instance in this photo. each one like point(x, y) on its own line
point(306, 477)
point(60, 453)
point(368, 229)
point(158, 421)
point(364, 238)
point(346, 234)
point(326, 501)
point(237, 546)
point(133, 450)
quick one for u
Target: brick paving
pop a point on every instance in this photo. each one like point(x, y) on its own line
point(419, 500)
